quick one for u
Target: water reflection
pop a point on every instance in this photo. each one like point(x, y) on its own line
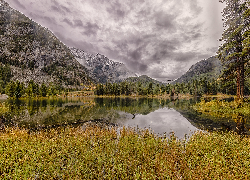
point(161, 115)
point(163, 121)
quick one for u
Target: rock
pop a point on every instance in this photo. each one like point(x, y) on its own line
point(3, 96)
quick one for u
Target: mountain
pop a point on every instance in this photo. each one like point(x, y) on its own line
point(144, 80)
point(209, 68)
point(101, 68)
point(34, 52)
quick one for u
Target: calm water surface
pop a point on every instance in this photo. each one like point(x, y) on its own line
point(162, 121)
point(162, 116)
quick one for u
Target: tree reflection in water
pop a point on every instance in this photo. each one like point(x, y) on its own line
point(48, 112)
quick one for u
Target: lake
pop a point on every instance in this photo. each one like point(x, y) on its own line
point(162, 116)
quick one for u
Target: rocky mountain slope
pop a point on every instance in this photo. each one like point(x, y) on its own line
point(101, 68)
point(34, 52)
point(209, 68)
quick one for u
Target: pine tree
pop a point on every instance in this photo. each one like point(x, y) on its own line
point(123, 88)
point(19, 89)
point(246, 35)
point(163, 89)
point(1, 86)
point(150, 89)
point(128, 89)
point(116, 89)
point(139, 88)
point(43, 90)
point(29, 89)
point(168, 88)
point(52, 90)
point(235, 47)
point(10, 89)
point(157, 89)
point(36, 90)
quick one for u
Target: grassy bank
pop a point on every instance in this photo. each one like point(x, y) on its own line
point(3, 108)
point(99, 153)
point(222, 108)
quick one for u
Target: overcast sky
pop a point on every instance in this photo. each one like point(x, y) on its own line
point(159, 38)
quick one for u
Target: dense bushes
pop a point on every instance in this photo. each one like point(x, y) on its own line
point(109, 153)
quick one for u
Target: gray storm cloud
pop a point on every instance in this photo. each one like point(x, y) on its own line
point(158, 38)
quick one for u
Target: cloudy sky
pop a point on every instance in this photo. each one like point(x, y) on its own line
point(159, 38)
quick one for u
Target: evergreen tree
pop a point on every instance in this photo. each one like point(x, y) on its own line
point(1, 87)
point(123, 88)
point(108, 89)
point(205, 85)
point(163, 89)
point(140, 89)
point(116, 89)
point(36, 90)
point(128, 89)
point(10, 89)
point(23, 89)
point(52, 90)
point(182, 88)
point(214, 87)
point(150, 89)
point(29, 90)
point(157, 89)
point(19, 89)
point(43, 90)
point(5, 76)
point(246, 34)
point(99, 90)
point(234, 51)
point(168, 87)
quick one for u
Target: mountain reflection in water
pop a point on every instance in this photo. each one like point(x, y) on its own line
point(160, 115)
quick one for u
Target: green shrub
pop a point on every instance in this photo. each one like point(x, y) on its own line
point(93, 152)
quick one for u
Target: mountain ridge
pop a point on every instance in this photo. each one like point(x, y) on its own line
point(102, 68)
point(210, 68)
point(144, 79)
point(35, 53)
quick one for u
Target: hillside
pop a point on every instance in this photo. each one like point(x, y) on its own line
point(144, 80)
point(34, 52)
point(209, 68)
point(101, 68)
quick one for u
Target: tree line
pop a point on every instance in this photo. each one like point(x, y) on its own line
point(18, 89)
point(196, 87)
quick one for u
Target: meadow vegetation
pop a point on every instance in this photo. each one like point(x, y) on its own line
point(222, 108)
point(93, 152)
point(3, 108)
